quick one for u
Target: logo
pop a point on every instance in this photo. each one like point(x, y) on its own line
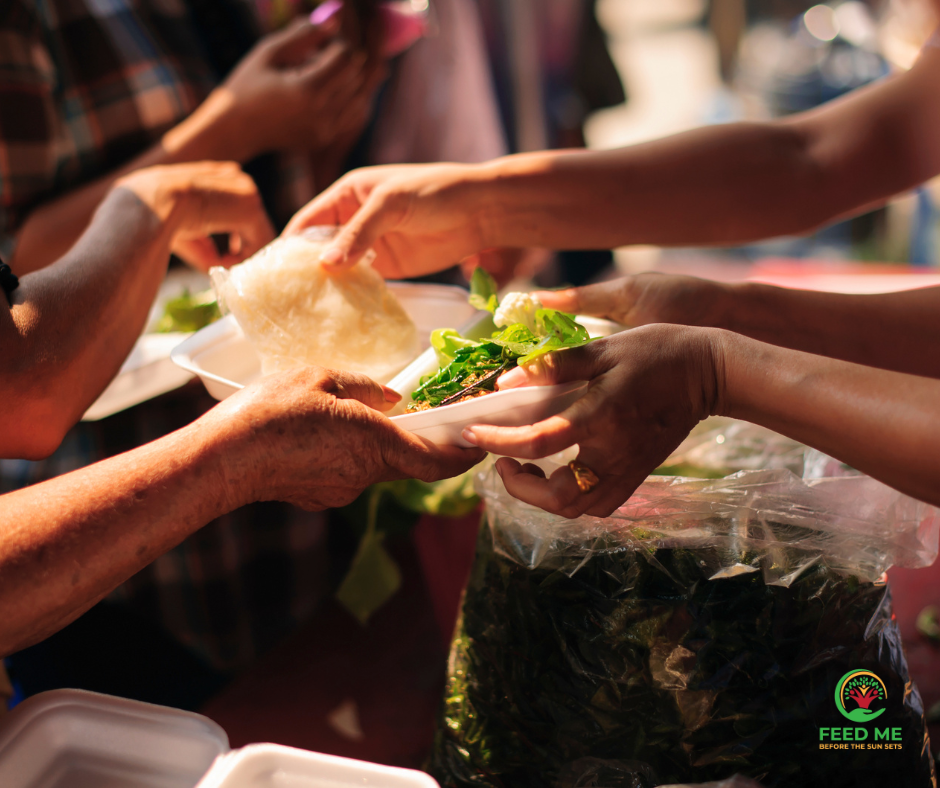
point(859, 690)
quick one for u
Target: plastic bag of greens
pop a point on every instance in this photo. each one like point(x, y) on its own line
point(708, 628)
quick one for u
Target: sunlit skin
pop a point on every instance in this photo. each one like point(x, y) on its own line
point(801, 364)
point(311, 437)
point(301, 89)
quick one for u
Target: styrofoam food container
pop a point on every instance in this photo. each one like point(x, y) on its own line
point(275, 766)
point(78, 739)
point(516, 407)
point(148, 372)
point(226, 361)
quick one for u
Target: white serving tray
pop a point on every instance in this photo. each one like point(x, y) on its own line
point(78, 739)
point(275, 766)
point(510, 408)
point(148, 371)
point(226, 361)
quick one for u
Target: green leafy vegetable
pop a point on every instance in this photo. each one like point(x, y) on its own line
point(631, 658)
point(483, 291)
point(385, 511)
point(189, 312)
point(472, 367)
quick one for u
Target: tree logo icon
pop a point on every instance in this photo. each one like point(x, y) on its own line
point(857, 691)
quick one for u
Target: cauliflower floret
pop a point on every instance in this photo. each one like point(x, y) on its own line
point(517, 308)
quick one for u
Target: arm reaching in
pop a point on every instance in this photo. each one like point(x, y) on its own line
point(302, 88)
point(896, 331)
point(310, 437)
point(650, 386)
point(718, 185)
point(72, 324)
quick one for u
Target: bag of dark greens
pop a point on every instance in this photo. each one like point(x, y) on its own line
point(709, 628)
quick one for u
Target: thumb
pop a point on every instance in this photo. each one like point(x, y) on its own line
point(600, 300)
point(562, 366)
point(373, 220)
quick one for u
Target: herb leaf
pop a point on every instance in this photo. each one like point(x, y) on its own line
point(483, 290)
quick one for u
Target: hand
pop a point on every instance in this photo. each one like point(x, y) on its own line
point(201, 199)
point(418, 218)
point(299, 88)
point(646, 298)
point(316, 438)
point(649, 387)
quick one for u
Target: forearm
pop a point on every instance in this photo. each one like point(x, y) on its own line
point(73, 323)
point(723, 184)
point(883, 423)
point(896, 331)
point(50, 230)
point(66, 543)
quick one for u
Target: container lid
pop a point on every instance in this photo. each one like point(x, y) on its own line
point(275, 766)
point(77, 739)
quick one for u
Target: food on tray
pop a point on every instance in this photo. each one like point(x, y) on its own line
point(188, 312)
point(470, 368)
point(296, 314)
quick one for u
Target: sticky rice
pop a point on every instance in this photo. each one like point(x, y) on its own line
point(295, 314)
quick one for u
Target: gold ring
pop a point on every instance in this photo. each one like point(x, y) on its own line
point(586, 478)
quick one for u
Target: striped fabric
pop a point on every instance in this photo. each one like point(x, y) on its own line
point(84, 86)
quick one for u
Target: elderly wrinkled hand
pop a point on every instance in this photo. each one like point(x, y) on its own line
point(648, 388)
point(317, 438)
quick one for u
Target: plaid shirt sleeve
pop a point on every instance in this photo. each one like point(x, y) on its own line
point(27, 118)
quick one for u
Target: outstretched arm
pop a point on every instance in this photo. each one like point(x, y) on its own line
point(72, 324)
point(718, 185)
point(309, 437)
point(302, 88)
point(897, 331)
point(650, 386)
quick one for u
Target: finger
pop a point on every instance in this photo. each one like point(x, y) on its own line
point(350, 385)
point(539, 440)
point(334, 206)
point(293, 45)
point(534, 469)
point(200, 253)
point(332, 69)
point(373, 220)
point(599, 300)
point(410, 456)
point(562, 366)
point(558, 494)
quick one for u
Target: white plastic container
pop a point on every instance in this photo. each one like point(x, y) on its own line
point(78, 739)
point(226, 361)
point(511, 408)
point(274, 766)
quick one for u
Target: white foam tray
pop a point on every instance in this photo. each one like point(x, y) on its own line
point(148, 371)
point(78, 739)
point(226, 361)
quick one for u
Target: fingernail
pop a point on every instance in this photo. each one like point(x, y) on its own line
point(332, 256)
point(469, 436)
point(512, 379)
point(390, 394)
point(499, 469)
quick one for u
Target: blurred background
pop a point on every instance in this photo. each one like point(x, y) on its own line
point(684, 63)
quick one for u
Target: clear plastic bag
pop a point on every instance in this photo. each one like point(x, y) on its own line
point(296, 314)
point(697, 633)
